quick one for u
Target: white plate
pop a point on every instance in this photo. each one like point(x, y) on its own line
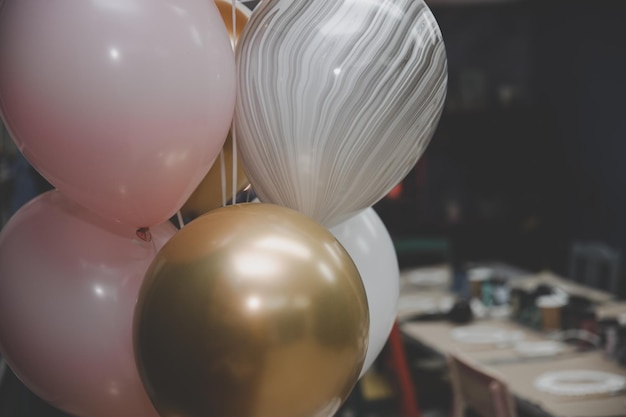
point(417, 303)
point(425, 304)
point(539, 349)
point(427, 277)
point(580, 382)
point(485, 335)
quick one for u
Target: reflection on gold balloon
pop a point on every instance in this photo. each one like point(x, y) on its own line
point(208, 195)
point(252, 310)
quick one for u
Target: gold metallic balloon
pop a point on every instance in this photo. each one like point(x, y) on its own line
point(208, 195)
point(252, 310)
point(242, 14)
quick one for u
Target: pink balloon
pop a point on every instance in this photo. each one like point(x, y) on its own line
point(123, 105)
point(69, 281)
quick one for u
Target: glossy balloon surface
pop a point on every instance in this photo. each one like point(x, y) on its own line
point(336, 100)
point(208, 195)
point(68, 286)
point(367, 240)
point(251, 310)
point(123, 105)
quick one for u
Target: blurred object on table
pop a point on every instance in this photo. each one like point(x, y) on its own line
point(425, 292)
point(550, 307)
point(430, 277)
point(461, 312)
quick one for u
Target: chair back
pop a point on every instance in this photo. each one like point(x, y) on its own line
point(482, 392)
point(595, 264)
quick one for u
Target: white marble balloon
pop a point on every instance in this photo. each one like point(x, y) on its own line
point(337, 100)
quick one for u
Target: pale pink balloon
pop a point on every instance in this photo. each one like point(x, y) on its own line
point(69, 281)
point(123, 105)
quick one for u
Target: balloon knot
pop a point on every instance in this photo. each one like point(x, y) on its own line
point(144, 234)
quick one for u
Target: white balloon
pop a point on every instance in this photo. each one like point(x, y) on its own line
point(336, 100)
point(367, 240)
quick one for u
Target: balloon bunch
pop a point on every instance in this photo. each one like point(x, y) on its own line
point(271, 309)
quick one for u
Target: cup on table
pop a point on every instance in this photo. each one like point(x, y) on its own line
point(550, 307)
point(477, 277)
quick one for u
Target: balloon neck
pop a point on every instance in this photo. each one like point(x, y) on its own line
point(144, 234)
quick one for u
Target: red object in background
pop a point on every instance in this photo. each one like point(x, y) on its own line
point(396, 193)
point(399, 366)
point(417, 185)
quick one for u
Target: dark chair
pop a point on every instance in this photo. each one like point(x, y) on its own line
point(595, 264)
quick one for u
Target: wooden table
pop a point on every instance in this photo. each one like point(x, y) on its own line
point(427, 292)
point(437, 336)
point(521, 376)
point(520, 372)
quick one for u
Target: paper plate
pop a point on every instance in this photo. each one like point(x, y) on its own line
point(423, 303)
point(485, 335)
point(426, 277)
point(580, 382)
point(537, 349)
point(417, 302)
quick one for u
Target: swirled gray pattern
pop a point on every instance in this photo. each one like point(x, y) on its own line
point(337, 100)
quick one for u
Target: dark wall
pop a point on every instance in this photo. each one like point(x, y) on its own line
point(530, 147)
point(582, 85)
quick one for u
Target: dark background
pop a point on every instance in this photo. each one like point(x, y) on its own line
point(528, 157)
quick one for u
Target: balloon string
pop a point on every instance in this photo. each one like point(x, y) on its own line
point(234, 163)
point(179, 216)
point(232, 129)
point(234, 17)
point(223, 173)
